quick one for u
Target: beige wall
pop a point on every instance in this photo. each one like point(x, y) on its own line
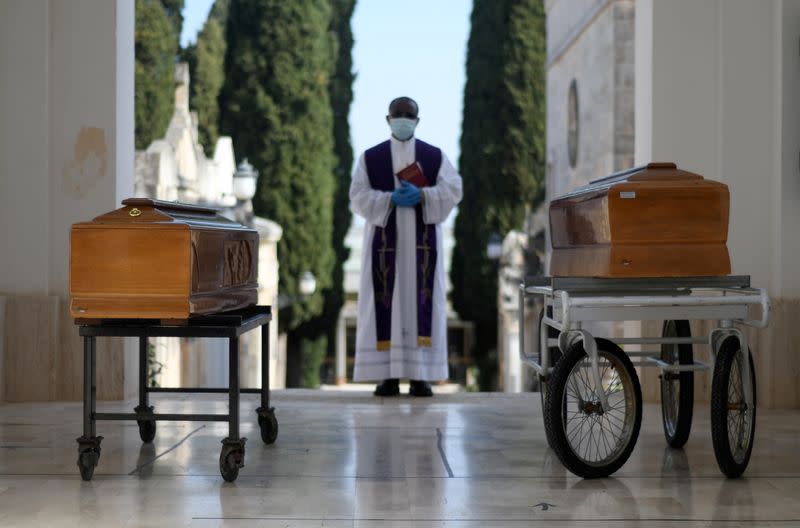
point(66, 155)
point(716, 89)
point(2, 348)
point(24, 146)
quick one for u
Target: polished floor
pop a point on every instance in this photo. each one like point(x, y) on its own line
point(348, 459)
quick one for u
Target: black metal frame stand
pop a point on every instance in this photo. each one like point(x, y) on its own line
point(229, 325)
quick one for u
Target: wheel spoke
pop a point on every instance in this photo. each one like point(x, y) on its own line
point(608, 444)
point(738, 416)
point(598, 435)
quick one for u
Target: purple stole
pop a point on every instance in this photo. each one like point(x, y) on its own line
point(384, 244)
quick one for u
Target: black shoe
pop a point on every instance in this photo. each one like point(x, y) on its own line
point(420, 388)
point(388, 387)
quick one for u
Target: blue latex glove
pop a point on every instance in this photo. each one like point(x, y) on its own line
point(412, 192)
point(407, 195)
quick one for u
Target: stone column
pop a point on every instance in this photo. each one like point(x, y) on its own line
point(2, 347)
point(66, 155)
point(716, 92)
point(341, 351)
point(270, 234)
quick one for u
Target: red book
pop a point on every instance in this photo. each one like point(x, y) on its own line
point(413, 174)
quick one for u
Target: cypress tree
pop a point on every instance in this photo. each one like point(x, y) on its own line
point(502, 154)
point(275, 105)
point(208, 74)
point(174, 12)
point(206, 60)
point(155, 49)
point(341, 96)
point(219, 12)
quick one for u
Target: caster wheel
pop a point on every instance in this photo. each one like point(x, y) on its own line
point(230, 460)
point(147, 430)
point(87, 461)
point(268, 425)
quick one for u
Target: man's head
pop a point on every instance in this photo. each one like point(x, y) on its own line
point(403, 117)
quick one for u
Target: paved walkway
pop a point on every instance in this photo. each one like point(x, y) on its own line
point(348, 459)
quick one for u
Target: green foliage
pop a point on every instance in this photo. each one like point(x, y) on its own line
point(219, 12)
point(341, 96)
point(276, 106)
point(206, 60)
point(207, 77)
point(174, 11)
point(502, 152)
point(313, 351)
point(154, 367)
point(189, 56)
point(155, 49)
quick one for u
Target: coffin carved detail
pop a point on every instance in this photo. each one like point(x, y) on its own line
point(238, 262)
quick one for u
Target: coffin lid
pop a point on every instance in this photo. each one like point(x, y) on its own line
point(169, 206)
point(149, 211)
point(655, 171)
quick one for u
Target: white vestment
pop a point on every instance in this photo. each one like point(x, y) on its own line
point(404, 359)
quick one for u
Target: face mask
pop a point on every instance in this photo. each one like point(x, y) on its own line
point(402, 127)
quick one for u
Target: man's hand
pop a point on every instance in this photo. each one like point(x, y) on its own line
point(407, 195)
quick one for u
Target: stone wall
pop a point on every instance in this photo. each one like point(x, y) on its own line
point(589, 60)
point(624, 84)
point(590, 43)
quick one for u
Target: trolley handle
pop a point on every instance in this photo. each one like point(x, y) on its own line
point(759, 296)
point(743, 296)
point(766, 307)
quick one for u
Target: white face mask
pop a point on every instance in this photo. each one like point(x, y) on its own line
point(402, 127)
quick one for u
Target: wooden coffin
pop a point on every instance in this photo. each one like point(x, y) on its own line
point(161, 260)
point(653, 221)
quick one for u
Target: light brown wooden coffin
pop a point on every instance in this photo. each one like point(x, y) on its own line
point(653, 221)
point(161, 260)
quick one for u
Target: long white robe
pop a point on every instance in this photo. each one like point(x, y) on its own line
point(404, 359)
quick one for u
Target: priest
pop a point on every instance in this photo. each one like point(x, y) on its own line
point(404, 188)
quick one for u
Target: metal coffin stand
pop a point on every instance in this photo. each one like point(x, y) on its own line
point(229, 325)
point(591, 395)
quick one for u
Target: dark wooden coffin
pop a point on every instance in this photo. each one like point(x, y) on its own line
point(652, 221)
point(161, 260)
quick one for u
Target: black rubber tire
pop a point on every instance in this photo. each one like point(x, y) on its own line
point(555, 356)
point(87, 461)
point(147, 430)
point(730, 463)
point(676, 417)
point(269, 427)
point(555, 408)
point(228, 467)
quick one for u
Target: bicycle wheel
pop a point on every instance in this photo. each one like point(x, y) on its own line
point(677, 388)
point(592, 441)
point(733, 422)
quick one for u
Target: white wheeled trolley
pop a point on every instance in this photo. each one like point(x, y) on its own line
point(591, 397)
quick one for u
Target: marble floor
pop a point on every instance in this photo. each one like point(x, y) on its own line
point(348, 459)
